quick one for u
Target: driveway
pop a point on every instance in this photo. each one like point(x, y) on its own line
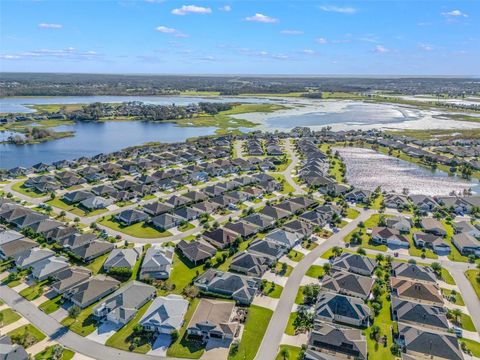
point(216, 349)
point(160, 345)
point(103, 332)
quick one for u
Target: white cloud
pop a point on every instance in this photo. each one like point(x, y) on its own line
point(191, 9)
point(308, 51)
point(171, 31)
point(338, 9)
point(50, 26)
point(260, 18)
point(44, 54)
point(226, 8)
point(380, 49)
point(321, 40)
point(454, 13)
point(291, 32)
point(426, 47)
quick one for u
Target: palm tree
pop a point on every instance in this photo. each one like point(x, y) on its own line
point(284, 353)
point(455, 314)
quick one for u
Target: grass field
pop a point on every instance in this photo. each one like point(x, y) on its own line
point(59, 203)
point(96, 265)
point(290, 329)
point(255, 327)
point(458, 298)
point(384, 321)
point(122, 339)
point(34, 291)
point(182, 274)
point(473, 346)
point(8, 317)
point(140, 230)
point(275, 293)
point(29, 329)
point(183, 347)
point(18, 187)
point(292, 351)
point(295, 255)
point(47, 354)
point(51, 305)
point(84, 324)
point(366, 242)
point(315, 271)
point(472, 276)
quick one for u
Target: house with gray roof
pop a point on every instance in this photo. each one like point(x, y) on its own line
point(269, 249)
point(9, 235)
point(284, 238)
point(344, 309)
point(48, 267)
point(433, 226)
point(12, 248)
point(88, 292)
point(466, 244)
point(157, 208)
point(430, 241)
point(390, 237)
point(274, 213)
point(240, 288)
point(131, 216)
point(196, 251)
point(249, 264)
point(355, 263)
point(428, 344)
point(165, 315)
point(120, 307)
point(261, 221)
point(69, 277)
point(242, 229)
point(166, 221)
point(466, 227)
point(92, 250)
point(11, 351)
point(27, 258)
point(124, 258)
point(400, 223)
point(157, 263)
point(213, 319)
point(330, 339)
point(96, 202)
point(424, 315)
point(347, 283)
point(413, 272)
point(74, 197)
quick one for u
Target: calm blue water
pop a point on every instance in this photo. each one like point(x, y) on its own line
point(94, 138)
point(17, 104)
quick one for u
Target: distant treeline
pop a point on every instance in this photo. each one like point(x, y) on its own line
point(41, 84)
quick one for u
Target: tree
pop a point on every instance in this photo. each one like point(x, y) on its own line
point(361, 251)
point(284, 353)
point(310, 294)
point(327, 267)
point(379, 257)
point(455, 314)
point(74, 311)
point(436, 267)
point(375, 332)
point(337, 251)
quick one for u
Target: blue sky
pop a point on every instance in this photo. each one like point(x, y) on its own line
point(241, 37)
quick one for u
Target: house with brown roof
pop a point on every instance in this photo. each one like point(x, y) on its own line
point(428, 293)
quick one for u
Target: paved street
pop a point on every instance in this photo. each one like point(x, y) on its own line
point(273, 336)
point(62, 335)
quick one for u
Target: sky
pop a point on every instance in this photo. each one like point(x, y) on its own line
point(297, 37)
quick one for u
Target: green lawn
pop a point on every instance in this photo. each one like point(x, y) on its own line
point(327, 254)
point(122, 339)
point(352, 213)
point(278, 269)
point(299, 297)
point(255, 327)
point(472, 276)
point(8, 317)
point(140, 230)
point(18, 187)
point(31, 330)
point(275, 292)
point(51, 305)
point(287, 188)
point(96, 265)
point(384, 321)
point(473, 346)
point(315, 271)
point(454, 254)
point(290, 329)
point(47, 354)
point(295, 255)
point(458, 298)
point(35, 291)
point(466, 323)
point(293, 352)
point(59, 203)
point(365, 239)
point(186, 227)
point(183, 273)
point(183, 347)
point(445, 275)
point(84, 324)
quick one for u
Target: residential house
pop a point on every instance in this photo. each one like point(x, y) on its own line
point(157, 263)
point(213, 319)
point(196, 251)
point(347, 283)
point(415, 272)
point(157, 208)
point(122, 258)
point(466, 228)
point(355, 263)
point(220, 237)
point(249, 264)
point(69, 277)
point(284, 238)
point(430, 241)
point(399, 223)
point(390, 237)
point(165, 221)
point(27, 258)
point(13, 248)
point(272, 250)
point(165, 315)
point(417, 314)
point(11, 351)
point(466, 244)
point(120, 307)
point(48, 267)
point(131, 216)
point(92, 290)
point(433, 226)
point(339, 308)
point(428, 293)
point(238, 287)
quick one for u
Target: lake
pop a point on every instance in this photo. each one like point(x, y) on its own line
point(368, 169)
point(92, 138)
point(17, 104)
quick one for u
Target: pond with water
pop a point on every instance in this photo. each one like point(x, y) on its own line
point(368, 169)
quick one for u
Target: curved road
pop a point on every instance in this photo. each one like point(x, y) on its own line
point(53, 329)
point(273, 336)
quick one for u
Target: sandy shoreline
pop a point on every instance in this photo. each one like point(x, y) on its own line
point(413, 118)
